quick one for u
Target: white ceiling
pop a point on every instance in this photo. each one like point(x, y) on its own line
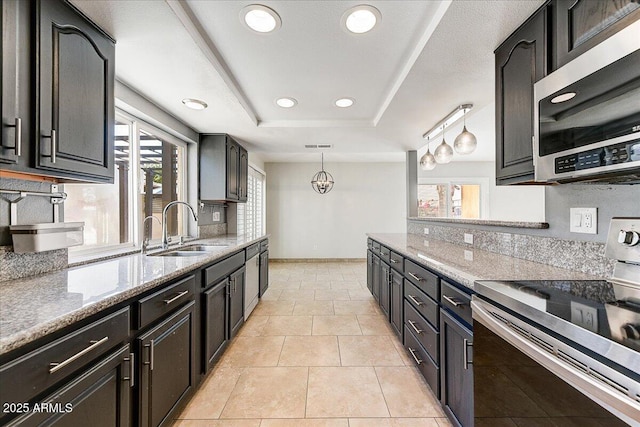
point(422, 60)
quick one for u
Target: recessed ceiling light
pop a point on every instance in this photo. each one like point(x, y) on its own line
point(194, 104)
point(361, 19)
point(563, 97)
point(286, 102)
point(344, 102)
point(260, 18)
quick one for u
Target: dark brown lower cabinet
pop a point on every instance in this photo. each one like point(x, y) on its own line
point(397, 305)
point(456, 369)
point(215, 322)
point(375, 281)
point(264, 272)
point(370, 271)
point(385, 285)
point(236, 301)
point(167, 372)
point(100, 396)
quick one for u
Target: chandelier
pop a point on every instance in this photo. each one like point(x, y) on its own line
point(322, 182)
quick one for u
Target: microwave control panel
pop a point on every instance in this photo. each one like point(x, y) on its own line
point(613, 154)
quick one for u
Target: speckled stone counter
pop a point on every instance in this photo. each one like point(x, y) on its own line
point(465, 264)
point(33, 307)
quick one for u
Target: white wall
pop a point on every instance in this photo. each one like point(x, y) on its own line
point(366, 197)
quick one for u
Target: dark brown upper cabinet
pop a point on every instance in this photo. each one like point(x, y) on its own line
point(75, 71)
point(223, 169)
point(15, 90)
point(521, 60)
point(579, 25)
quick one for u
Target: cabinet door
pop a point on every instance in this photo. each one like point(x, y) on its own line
point(456, 342)
point(520, 62)
point(215, 322)
point(236, 302)
point(264, 272)
point(167, 371)
point(100, 396)
point(75, 80)
point(385, 287)
point(375, 290)
point(582, 24)
point(243, 174)
point(397, 305)
point(15, 84)
point(370, 271)
point(233, 169)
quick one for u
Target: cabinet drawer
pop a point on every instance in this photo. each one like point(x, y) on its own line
point(264, 245)
point(426, 334)
point(166, 300)
point(426, 281)
point(223, 268)
point(253, 250)
point(396, 261)
point(428, 368)
point(33, 373)
point(369, 244)
point(422, 303)
point(456, 301)
point(375, 247)
point(385, 253)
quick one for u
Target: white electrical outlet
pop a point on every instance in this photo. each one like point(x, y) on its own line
point(468, 238)
point(583, 220)
point(468, 255)
point(216, 216)
point(426, 243)
point(426, 230)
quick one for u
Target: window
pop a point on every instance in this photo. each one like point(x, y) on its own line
point(149, 173)
point(449, 200)
point(251, 213)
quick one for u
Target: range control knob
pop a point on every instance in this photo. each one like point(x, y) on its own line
point(628, 238)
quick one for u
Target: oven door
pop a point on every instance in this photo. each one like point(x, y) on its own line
point(522, 376)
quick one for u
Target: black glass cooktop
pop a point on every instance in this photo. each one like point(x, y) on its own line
point(607, 309)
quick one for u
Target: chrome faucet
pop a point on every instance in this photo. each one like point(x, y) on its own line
point(165, 239)
point(145, 242)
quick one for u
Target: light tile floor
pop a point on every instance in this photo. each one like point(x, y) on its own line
point(316, 352)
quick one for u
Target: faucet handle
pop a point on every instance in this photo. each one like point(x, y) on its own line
point(181, 240)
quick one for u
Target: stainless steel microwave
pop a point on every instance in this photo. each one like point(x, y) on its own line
point(587, 115)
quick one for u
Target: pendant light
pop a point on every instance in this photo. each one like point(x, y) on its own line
point(322, 182)
point(466, 142)
point(427, 161)
point(443, 153)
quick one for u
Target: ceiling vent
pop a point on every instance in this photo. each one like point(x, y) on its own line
point(318, 146)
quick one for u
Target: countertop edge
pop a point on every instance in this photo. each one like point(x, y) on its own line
point(485, 222)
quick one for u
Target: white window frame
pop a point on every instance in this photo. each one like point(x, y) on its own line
point(483, 182)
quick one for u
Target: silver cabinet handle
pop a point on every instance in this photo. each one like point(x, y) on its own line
point(17, 143)
point(178, 296)
point(413, 325)
point(131, 377)
point(453, 301)
point(415, 300)
point(413, 354)
point(54, 144)
point(394, 261)
point(465, 353)
point(384, 254)
point(55, 367)
point(418, 278)
point(151, 346)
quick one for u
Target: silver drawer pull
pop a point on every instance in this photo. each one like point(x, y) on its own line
point(415, 300)
point(418, 278)
point(465, 353)
point(453, 301)
point(55, 367)
point(413, 325)
point(131, 378)
point(394, 261)
point(413, 354)
point(180, 295)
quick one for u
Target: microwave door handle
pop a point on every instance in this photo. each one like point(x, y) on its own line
point(604, 395)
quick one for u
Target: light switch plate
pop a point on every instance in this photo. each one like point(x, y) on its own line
point(426, 230)
point(583, 220)
point(216, 216)
point(468, 238)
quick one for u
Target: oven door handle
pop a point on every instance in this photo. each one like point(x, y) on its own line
point(622, 406)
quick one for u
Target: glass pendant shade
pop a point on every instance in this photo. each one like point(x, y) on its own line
point(322, 182)
point(466, 142)
point(427, 161)
point(443, 153)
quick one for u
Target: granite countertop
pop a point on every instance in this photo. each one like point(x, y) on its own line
point(487, 222)
point(33, 307)
point(465, 265)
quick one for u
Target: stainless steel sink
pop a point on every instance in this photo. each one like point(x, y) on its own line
point(201, 248)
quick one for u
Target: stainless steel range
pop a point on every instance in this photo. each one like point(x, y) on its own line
point(561, 352)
